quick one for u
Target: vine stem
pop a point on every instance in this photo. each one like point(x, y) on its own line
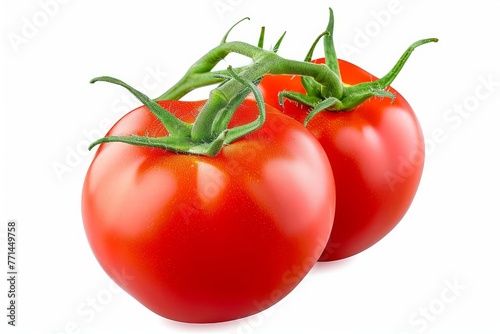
point(264, 62)
point(209, 132)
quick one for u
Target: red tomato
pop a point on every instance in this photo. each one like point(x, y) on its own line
point(377, 155)
point(205, 239)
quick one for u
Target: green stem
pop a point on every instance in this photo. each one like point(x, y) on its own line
point(191, 81)
point(264, 62)
point(242, 130)
point(199, 75)
point(224, 116)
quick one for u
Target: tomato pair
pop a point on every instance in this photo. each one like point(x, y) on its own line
point(217, 209)
point(211, 239)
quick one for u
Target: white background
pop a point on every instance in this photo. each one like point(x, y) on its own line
point(449, 238)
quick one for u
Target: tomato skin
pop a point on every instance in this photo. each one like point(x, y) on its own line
point(209, 239)
point(377, 155)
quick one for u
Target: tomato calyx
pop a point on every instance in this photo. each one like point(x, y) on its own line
point(180, 137)
point(349, 97)
point(209, 133)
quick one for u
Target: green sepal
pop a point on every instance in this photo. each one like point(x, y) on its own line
point(260, 44)
point(329, 47)
point(310, 85)
point(173, 125)
point(276, 46)
point(305, 99)
point(177, 145)
point(330, 102)
point(226, 35)
point(354, 95)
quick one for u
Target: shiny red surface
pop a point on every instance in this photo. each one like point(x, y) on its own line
point(209, 239)
point(377, 155)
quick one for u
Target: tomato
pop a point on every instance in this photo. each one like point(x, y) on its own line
point(209, 239)
point(377, 155)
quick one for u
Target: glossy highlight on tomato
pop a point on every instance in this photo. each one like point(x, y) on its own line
point(209, 239)
point(377, 156)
